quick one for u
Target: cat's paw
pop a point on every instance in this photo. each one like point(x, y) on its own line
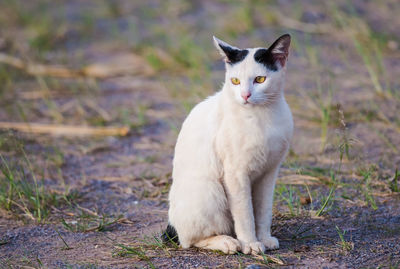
point(270, 242)
point(252, 247)
point(229, 245)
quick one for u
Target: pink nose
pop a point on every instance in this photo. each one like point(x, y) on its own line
point(246, 95)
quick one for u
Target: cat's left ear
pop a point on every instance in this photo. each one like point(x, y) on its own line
point(230, 53)
point(279, 50)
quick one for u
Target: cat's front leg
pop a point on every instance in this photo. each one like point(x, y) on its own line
point(238, 190)
point(263, 193)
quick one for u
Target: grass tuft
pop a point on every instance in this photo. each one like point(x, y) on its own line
point(22, 193)
point(287, 194)
point(366, 187)
point(328, 199)
point(145, 249)
point(346, 246)
point(393, 184)
point(88, 223)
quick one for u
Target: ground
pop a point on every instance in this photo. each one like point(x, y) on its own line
point(101, 201)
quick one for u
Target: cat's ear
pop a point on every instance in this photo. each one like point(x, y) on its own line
point(230, 53)
point(280, 49)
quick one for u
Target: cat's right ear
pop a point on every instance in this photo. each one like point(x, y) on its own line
point(230, 53)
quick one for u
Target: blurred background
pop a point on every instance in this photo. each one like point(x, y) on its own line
point(93, 94)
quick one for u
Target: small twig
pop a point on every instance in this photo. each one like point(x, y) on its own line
point(134, 65)
point(300, 180)
point(65, 130)
point(265, 257)
point(90, 212)
point(104, 114)
point(65, 243)
point(39, 69)
point(24, 209)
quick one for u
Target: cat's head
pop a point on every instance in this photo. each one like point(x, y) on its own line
point(255, 75)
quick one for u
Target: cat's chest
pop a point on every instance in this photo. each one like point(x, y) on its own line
point(261, 131)
point(255, 141)
point(263, 140)
point(265, 151)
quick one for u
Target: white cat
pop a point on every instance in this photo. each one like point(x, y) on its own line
point(228, 154)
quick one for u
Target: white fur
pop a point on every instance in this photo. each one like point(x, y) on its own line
point(226, 161)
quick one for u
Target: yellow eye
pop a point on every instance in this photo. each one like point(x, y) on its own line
point(235, 81)
point(259, 79)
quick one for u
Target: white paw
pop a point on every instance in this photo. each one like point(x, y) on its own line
point(252, 247)
point(270, 242)
point(229, 245)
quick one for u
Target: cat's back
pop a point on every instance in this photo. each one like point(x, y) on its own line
point(203, 116)
point(194, 146)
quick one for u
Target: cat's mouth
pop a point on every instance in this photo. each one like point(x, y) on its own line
point(248, 102)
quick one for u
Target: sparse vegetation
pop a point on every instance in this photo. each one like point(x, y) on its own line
point(90, 222)
point(22, 193)
point(394, 182)
point(146, 249)
point(287, 194)
point(92, 201)
point(346, 246)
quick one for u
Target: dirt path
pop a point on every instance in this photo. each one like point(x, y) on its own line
point(106, 197)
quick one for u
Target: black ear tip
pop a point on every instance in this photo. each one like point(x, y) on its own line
point(285, 37)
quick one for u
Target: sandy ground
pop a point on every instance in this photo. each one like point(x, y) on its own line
point(127, 178)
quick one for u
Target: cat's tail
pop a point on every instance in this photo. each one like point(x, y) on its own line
point(170, 235)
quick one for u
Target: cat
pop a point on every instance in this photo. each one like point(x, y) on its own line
point(228, 154)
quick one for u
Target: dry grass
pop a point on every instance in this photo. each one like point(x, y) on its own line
point(70, 65)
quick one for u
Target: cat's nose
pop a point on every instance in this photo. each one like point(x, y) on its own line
point(246, 95)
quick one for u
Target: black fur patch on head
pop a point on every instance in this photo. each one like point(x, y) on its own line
point(265, 57)
point(276, 55)
point(170, 235)
point(234, 55)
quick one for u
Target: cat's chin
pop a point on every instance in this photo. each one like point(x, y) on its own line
point(250, 103)
point(247, 103)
